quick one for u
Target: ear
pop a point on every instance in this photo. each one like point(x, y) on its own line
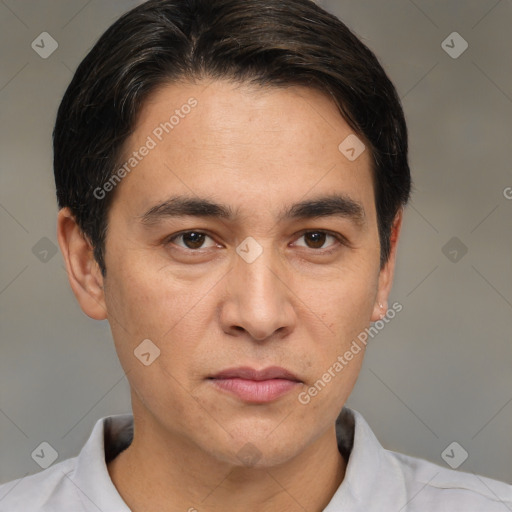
point(83, 271)
point(387, 272)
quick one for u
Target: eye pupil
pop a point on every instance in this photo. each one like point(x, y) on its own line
point(317, 239)
point(193, 240)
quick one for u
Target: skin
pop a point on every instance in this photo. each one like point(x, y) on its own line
point(296, 306)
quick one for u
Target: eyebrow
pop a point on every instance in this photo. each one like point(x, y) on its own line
point(325, 206)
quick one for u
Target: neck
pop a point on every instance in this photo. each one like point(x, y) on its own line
point(164, 473)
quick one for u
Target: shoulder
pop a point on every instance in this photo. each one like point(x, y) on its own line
point(78, 483)
point(378, 479)
point(50, 489)
point(429, 486)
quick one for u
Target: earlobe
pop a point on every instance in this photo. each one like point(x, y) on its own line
point(387, 272)
point(83, 271)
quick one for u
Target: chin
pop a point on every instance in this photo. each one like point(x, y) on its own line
point(257, 446)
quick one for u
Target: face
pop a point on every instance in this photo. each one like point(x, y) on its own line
point(244, 245)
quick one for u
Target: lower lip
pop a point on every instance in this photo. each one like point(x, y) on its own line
point(256, 391)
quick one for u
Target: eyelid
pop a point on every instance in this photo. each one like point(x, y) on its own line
point(338, 236)
point(170, 239)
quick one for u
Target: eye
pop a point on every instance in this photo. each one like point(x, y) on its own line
point(317, 239)
point(192, 240)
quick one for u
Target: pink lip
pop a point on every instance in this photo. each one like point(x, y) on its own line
point(256, 386)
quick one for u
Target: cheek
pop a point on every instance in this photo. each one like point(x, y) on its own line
point(345, 302)
point(344, 306)
point(152, 303)
point(147, 301)
point(143, 306)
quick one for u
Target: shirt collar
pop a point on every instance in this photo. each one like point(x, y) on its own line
point(94, 486)
point(372, 476)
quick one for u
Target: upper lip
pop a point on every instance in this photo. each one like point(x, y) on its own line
point(272, 372)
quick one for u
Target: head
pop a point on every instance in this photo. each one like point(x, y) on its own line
point(211, 203)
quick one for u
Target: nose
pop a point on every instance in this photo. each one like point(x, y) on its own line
point(258, 300)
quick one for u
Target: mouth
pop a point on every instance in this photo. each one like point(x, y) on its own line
point(256, 386)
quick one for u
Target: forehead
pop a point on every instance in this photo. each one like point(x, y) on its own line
point(240, 142)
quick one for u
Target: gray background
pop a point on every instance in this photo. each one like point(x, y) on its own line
point(441, 371)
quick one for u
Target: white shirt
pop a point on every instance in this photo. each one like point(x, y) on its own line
point(376, 480)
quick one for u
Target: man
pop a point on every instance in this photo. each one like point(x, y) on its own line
point(231, 179)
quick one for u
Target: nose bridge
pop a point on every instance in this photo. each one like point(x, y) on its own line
point(259, 276)
point(258, 295)
point(256, 270)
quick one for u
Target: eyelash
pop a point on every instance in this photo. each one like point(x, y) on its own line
point(342, 241)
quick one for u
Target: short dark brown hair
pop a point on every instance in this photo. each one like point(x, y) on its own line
point(271, 43)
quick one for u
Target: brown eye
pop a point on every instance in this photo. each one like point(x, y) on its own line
point(191, 240)
point(315, 239)
point(318, 239)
